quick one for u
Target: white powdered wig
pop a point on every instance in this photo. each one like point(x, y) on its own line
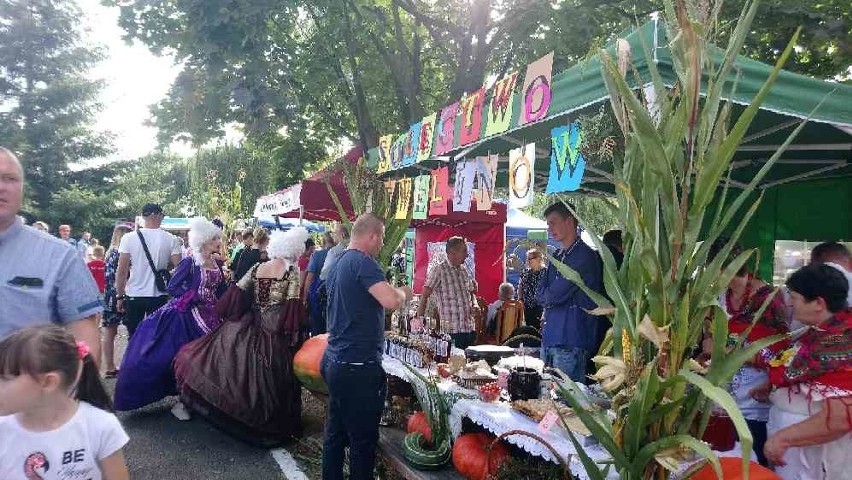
point(200, 231)
point(287, 245)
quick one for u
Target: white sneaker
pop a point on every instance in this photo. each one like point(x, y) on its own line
point(180, 412)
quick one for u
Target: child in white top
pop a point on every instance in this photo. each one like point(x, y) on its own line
point(55, 422)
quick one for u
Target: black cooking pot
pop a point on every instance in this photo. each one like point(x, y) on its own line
point(524, 383)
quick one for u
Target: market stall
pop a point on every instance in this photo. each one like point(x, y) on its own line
point(310, 199)
point(814, 172)
point(484, 232)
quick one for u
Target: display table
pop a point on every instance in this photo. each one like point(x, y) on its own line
point(499, 418)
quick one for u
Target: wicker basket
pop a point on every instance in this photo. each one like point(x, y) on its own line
point(473, 383)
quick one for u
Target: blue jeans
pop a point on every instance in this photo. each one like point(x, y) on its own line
point(356, 398)
point(571, 360)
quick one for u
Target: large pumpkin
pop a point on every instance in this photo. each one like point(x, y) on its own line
point(732, 469)
point(306, 363)
point(469, 455)
point(420, 424)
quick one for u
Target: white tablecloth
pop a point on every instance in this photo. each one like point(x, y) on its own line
point(499, 418)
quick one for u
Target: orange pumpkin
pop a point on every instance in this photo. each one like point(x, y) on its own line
point(306, 363)
point(419, 423)
point(732, 469)
point(469, 455)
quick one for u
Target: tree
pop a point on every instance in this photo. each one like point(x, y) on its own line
point(47, 102)
point(824, 48)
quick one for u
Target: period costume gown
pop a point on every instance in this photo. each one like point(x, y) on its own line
point(146, 369)
point(240, 377)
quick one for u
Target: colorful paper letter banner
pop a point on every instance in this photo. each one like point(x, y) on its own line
point(439, 192)
point(521, 174)
point(463, 188)
point(500, 107)
point(445, 133)
point(471, 125)
point(390, 188)
point(385, 143)
point(421, 197)
point(397, 151)
point(566, 160)
point(412, 143)
point(536, 91)
point(404, 199)
point(427, 132)
point(486, 179)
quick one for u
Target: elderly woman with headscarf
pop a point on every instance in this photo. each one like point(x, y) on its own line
point(810, 422)
point(146, 370)
point(240, 377)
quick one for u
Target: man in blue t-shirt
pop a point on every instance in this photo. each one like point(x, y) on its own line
point(352, 365)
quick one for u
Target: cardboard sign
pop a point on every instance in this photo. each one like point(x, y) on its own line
point(486, 180)
point(536, 92)
point(421, 197)
point(463, 187)
point(439, 192)
point(500, 106)
point(471, 126)
point(445, 131)
point(427, 132)
point(521, 176)
point(403, 202)
point(567, 164)
point(547, 422)
point(279, 203)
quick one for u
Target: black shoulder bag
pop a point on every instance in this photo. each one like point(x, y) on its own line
point(161, 277)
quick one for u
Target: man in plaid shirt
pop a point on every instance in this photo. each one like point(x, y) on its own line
point(454, 290)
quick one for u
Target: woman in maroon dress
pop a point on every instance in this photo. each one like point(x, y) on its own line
point(240, 377)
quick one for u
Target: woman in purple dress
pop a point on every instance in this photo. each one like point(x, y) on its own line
point(146, 370)
point(240, 378)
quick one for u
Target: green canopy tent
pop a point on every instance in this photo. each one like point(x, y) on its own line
point(807, 194)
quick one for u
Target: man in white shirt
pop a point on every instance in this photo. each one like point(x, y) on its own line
point(136, 287)
point(835, 254)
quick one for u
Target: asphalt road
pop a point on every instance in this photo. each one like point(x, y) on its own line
point(164, 448)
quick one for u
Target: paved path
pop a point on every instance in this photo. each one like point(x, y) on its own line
point(164, 448)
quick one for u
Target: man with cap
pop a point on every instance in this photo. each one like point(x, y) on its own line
point(42, 278)
point(136, 288)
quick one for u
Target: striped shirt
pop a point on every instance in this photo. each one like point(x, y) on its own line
point(451, 287)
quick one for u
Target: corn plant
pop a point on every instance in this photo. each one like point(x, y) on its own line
point(368, 194)
point(673, 204)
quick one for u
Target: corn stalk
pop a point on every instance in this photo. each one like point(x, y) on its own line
point(671, 173)
point(367, 193)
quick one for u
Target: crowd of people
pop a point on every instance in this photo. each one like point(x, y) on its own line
point(219, 327)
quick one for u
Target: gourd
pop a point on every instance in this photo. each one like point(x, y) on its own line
point(470, 454)
point(419, 423)
point(306, 364)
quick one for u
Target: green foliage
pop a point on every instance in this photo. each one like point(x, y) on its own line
point(824, 46)
point(48, 103)
point(597, 211)
point(671, 170)
point(287, 159)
